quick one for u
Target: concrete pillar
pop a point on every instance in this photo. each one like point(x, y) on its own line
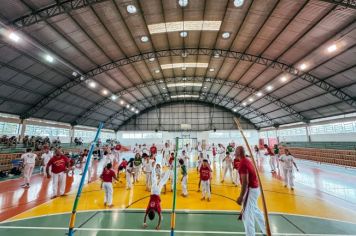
point(308, 134)
point(22, 129)
point(71, 134)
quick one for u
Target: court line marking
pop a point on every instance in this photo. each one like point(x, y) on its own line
point(162, 231)
point(167, 210)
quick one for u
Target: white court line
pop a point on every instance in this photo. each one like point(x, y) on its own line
point(187, 211)
point(162, 231)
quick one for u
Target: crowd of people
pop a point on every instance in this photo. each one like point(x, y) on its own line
point(157, 174)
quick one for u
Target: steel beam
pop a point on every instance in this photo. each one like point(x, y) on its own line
point(195, 51)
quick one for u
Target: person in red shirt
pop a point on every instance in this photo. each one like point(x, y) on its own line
point(249, 194)
point(270, 154)
point(235, 170)
point(153, 150)
point(59, 164)
point(107, 177)
point(122, 167)
point(205, 178)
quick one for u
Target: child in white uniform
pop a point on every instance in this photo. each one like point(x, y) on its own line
point(228, 167)
point(28, 161)
point(147, 169)
point(46, 156)
point(288, 162)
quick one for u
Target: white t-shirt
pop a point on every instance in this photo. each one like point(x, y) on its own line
point(166, 151)
point(144, 150)
point(109, 158)
point(28, 158)
point(185, 158)
point(287, 161)
point(221, 150)
point(147, 166)
point(46, 157)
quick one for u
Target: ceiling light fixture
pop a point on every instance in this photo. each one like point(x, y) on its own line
point(92, 84)
point(127, 106)
point(225, 35)
point(133, 109)
point(74, 73)
point(216, 55)
point(136, 111)
point(332, 48)
point(303, 66)
point(259, 94)
point(14, 37)
point(105, 92)
point(183, 34)
point(157, 71)
point(269, 88)
point(113, 97)
point(151, 59)
point(131, 9)
point(144, 39)
point(122, 102)
point(183, 3)
point(244, 104)
point(238, 3)
point(82, 78)
point(211, 69)
point(184, 68)
point(283, 79)
point(49, 58)
point(235, 110)
point(251, 99)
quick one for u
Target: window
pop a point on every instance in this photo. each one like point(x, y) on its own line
point(37, 130)
point(10, 129)
point(219, 135)
point(146, 135)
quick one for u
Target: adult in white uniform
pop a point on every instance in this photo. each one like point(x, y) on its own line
point(147, 169)
point(185, 158)
point(165, 155)
point(221, 152)
point(288, 162)
point(28, 161)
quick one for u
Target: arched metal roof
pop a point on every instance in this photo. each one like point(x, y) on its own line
point(101, 42)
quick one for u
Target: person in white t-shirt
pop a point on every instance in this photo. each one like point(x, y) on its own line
point(147, 169)
point(46, 156)
point(28, 161)
point(165, 155)
point(288, 162)
point(185, 158)
point(108, 158)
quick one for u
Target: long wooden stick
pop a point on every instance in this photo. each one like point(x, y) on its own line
point(265, 211)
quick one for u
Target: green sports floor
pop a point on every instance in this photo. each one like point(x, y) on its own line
point(129, 223)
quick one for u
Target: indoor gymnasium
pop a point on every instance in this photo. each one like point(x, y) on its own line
point(177, 117)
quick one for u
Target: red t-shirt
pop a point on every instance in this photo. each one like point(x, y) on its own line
point(171, 159)
point(108, 175)
point(246, 168)
point(153, 150)
point(214, 151)
point(123, 164)
point(269, 152)
point(118, 147)
point(58, 163)
point(204, 173)
point(236, 163)
point(154, 204)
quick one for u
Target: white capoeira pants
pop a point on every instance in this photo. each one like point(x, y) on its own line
point(27, 172)
point(184, 185)
point(228, 168)
point(107, 186)
point(272, 162)
point(236, 176)
point(206, 188)
point(221, 157)
point(252, 213)
point(288, 177)
point(148, 179)
point(128, 179)
point(59, 179)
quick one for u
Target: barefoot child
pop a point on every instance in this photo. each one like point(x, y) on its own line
point(154, 205)
point(184, 178)
point(205, 178)
point(107, 177)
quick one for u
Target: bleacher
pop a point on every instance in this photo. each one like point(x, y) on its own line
point(336, 153)
point(9, 156)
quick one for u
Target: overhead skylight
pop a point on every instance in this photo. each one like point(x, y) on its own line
point(185, 96)
point(185, 65)
point(184, 84)
point(184, 26)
